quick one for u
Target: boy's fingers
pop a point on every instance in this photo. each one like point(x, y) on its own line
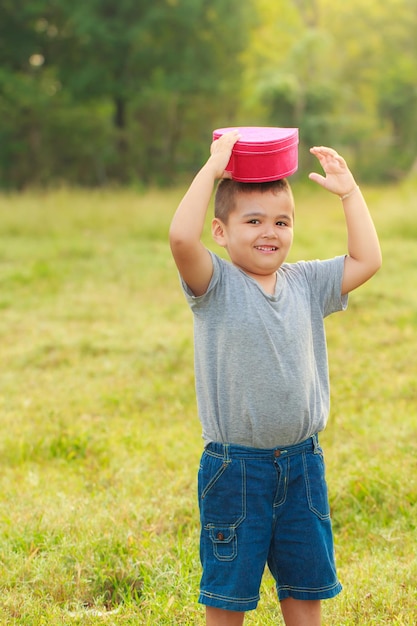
point(324, 150)
point(230, 137)
point(317, 178)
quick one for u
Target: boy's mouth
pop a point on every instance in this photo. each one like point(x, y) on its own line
point(266, 248)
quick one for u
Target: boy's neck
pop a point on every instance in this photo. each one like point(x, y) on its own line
point(268, 282)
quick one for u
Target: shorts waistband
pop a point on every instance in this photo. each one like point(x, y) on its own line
point(233, 451)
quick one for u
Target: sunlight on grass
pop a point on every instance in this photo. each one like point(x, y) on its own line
point(100, 440)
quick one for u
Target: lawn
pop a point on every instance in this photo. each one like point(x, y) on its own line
point(100, 441)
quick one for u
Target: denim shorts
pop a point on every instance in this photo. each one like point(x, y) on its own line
point(264, 506)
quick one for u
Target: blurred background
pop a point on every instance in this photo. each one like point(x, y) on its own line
point(127, 92)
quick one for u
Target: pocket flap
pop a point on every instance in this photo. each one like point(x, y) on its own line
point(220, 534)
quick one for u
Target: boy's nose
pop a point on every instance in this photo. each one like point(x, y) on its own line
point(268, 232)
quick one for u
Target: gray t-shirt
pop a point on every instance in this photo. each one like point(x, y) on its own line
point(261, 360)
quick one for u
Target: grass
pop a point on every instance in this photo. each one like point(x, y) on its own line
point(99, 436)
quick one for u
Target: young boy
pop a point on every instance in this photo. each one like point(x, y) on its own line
point(262, 383)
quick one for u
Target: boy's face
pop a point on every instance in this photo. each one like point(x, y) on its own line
point(259, 232)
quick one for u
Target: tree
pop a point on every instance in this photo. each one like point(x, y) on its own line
point(344, 73)
point(145, 65)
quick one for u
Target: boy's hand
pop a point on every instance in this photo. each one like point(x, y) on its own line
point(339, 178)
point(220, 153)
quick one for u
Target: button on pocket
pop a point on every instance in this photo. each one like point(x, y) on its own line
point(224, 543)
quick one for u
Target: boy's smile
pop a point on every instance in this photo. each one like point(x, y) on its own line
point(259, 233)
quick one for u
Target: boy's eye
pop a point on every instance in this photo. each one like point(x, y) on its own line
point(257, 221)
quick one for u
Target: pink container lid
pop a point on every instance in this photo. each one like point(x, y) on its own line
point(263, 153)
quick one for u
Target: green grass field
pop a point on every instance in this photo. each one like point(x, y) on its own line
point(100, 441)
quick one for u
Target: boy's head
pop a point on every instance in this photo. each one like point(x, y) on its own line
point(228, 192)
point(254, 223)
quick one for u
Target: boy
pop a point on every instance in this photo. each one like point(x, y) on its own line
point(262, 383)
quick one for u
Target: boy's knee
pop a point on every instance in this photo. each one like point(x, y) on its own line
point(221, 617)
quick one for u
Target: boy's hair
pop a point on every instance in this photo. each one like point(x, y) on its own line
point(228, 189)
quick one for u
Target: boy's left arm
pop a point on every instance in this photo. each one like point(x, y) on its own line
point(364, 253)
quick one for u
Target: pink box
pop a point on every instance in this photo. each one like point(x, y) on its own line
point(263, 153)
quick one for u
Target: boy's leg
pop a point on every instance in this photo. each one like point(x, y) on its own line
point(301, 555)
point(221, 617)
point(237, 486)
point(301, 612)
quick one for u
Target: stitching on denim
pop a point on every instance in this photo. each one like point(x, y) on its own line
point(216, 596)
point(284, 474)
point(329, 587)
point(230, 545)
point(214, 480)
point(320, 514)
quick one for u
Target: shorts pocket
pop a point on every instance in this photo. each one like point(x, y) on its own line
point(316, 486)
point(224, 542)
point(222, 491)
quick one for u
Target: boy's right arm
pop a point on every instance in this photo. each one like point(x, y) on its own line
point(191, 256)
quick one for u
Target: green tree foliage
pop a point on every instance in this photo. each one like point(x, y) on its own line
point(103, 91)
point(344, 73)
point(375, 49)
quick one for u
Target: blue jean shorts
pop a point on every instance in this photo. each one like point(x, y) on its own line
point(264, 506)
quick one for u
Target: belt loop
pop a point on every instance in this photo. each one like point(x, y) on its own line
point(226, 452)
point(315, 444)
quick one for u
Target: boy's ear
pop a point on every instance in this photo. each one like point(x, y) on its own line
point(218, 232)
